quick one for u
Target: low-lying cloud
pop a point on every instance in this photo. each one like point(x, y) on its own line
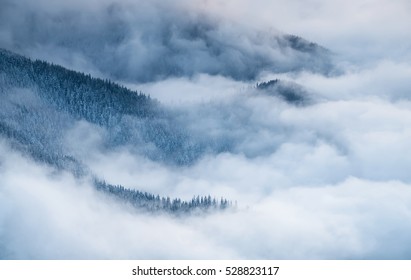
point(355, 218)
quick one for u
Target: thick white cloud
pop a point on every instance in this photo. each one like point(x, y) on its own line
point(49, 215)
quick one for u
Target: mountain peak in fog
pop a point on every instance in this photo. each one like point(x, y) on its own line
point(126, 42)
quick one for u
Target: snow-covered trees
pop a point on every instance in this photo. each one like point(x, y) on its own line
point(40, 102)
point(151, 203)
point(129, 117)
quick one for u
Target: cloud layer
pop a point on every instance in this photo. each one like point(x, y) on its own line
point(149, 41)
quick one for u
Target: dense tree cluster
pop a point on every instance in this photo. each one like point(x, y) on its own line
point(154, 203)
point(302, 45)
point(129, 117)
point(95, 100)
point(290, 92)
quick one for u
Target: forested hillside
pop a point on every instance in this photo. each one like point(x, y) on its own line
point(42, 101)
point(128, 116)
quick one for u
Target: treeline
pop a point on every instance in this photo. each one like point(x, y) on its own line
point(156, 204)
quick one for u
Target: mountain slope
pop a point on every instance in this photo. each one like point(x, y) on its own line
point(36, 90)
point(41, 102)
